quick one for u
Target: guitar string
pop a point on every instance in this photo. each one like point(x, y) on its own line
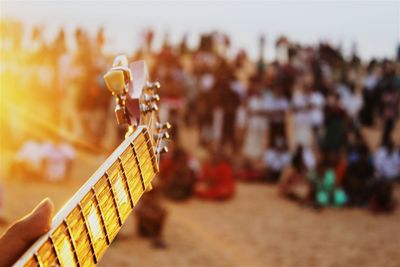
point(89, 252)
point(113, 192)
point(102, 222)
point(97, 206)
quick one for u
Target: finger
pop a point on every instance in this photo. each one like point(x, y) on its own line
point(20, 236)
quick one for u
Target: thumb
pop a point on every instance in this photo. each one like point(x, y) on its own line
point(21, 235)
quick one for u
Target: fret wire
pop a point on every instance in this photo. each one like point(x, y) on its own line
point(137, 168)
point(72, 241)
point(138, 164)
point(88, 253)
point(35, 256)
point(88, 233)
point(113, 196)
point(57, 258)
point(103, 223)
point(126, 182)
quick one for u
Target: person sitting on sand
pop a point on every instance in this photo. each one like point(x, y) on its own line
point(325, 188)
point(387, 166)
point(276, 159)
point(216, 181)
point(177, 177)
point(293, 183)
point(151, 218)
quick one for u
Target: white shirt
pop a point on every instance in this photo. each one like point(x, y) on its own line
point(317, 105)
point(276, 160)
point(387, 165)
point(301, 102)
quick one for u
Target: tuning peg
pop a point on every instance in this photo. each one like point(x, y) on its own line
point(163, 126)
point(144, 108)
point(162, 150)
point(164, 135)
point(150, 98)
point(120, 114)
point(154, 107)
point(148, 108)
point(153, 85)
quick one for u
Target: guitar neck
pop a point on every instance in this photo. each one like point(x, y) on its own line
point(85, 227)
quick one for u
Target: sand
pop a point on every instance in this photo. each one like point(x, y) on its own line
point(256, 228)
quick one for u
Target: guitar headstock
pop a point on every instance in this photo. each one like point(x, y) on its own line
point(136, 100)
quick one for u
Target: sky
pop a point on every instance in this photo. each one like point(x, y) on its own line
point(373, 26)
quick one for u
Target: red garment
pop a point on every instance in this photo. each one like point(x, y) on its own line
point(218, 180)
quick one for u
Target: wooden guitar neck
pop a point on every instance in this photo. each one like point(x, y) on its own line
point(84, 228)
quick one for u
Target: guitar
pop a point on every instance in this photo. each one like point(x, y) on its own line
point(84, 228)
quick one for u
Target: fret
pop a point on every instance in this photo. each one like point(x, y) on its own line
point(138, 165)
point(114, 199)
point(132, 175)
point(63, 246)
point(46, 254)
point(32, 262)
point(72, 241)
point(139, 152)
point(93, 223)
point(80, 236)
point(150, 146)
point(88, 224)
point(96, 201)
point(125, 180)
point(120, 191)
point(144, 157)
point(106, 204)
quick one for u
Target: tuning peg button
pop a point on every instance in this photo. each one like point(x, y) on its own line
point(163, 126)
point(164, 135)
point(154, 107)
point(144, 108)
point(153, 85)
point(150, 98)
point(162, 150)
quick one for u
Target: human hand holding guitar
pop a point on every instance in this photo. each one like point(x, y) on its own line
point(84, 228)
point(23, 233)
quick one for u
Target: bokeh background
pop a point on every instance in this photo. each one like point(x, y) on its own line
point(285, 142)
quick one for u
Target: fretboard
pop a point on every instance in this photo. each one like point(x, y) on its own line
point(84, 228)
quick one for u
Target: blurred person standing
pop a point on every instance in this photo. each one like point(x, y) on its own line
point(335, 122)
point(301, 104)
point(255, 138)
point(389, 90)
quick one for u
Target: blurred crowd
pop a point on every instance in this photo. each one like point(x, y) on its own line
point(298, 120)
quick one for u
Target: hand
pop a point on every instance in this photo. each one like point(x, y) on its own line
point(22, 234)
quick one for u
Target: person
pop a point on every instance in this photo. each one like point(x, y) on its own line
point(359, 172)
point(216, 181)
point(324, 184)
point(335, 124)
point(254, 143)
point(177, 175)
point(301, 105)
point(151, 218)
point(276, 159)
point(387, 167)
point(23, 233)
point(387, 161)
point(293, 183)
